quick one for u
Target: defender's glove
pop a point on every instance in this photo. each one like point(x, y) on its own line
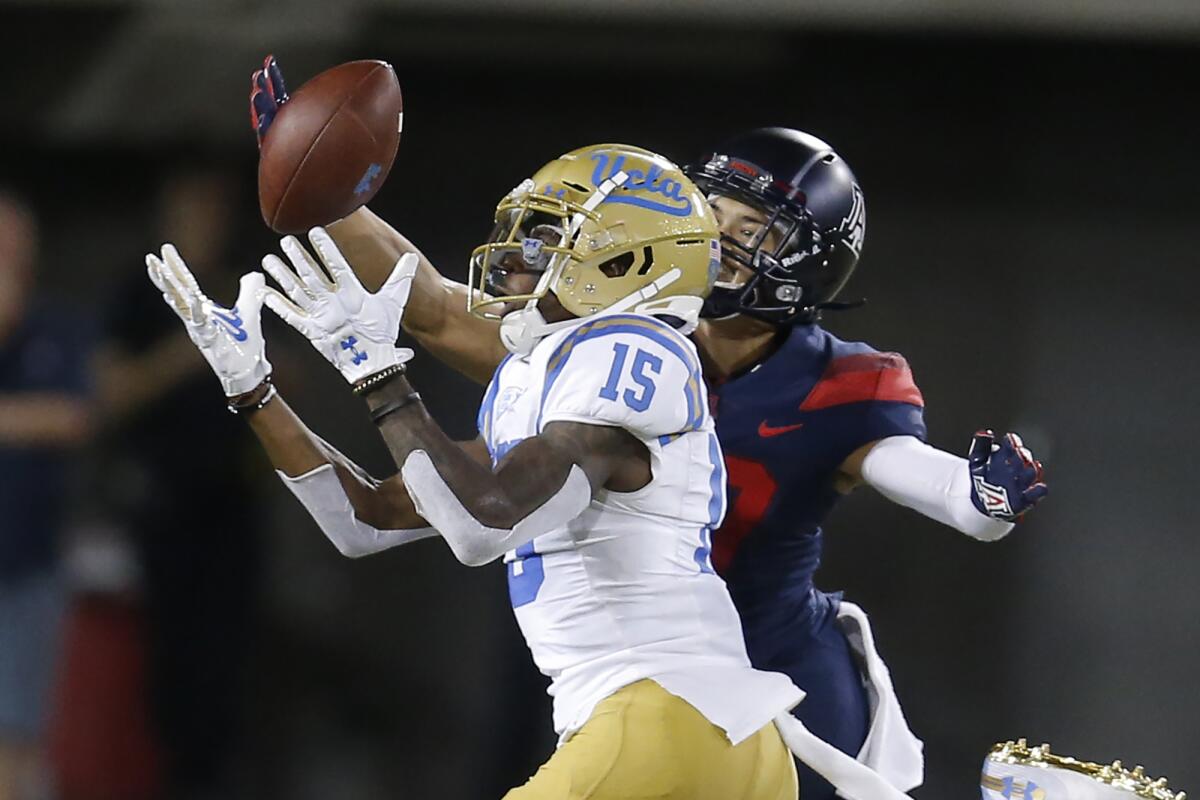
point(267, 94)
point(230, 339)
point(353, 328)
point(1006, 480)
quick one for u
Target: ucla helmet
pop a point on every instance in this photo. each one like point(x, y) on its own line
point(813, 205)
point(609, 227)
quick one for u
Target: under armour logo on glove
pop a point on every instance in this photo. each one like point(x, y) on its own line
point(1006, 480)
point(355, 356)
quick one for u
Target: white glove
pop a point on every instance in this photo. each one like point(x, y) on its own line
point(230, 339)
point(353, 328)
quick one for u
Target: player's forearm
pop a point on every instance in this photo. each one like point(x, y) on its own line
point(44, 419)
point(411, 428)
point(480, 514)
point(530, 475)
point(930, 481)
point(296, 453)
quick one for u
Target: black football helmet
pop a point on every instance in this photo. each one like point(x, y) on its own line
point(814, 204)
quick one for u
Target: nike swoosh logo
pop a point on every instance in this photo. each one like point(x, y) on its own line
point(232, 324)
point(767, 431)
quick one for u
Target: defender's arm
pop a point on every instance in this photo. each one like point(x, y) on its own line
point(981, 496)
point(543, 483)
point(437, 315)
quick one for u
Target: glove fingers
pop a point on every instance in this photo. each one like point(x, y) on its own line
point(302, 263)
point(1035, 493)
point(155, 269)
point(176, 264)
point(190, 306)
point(398, 285)
point(981, 449)
point(278, 87)
point(343, 276)
point(287, 312)
point(286, 279)
point(1014, 441)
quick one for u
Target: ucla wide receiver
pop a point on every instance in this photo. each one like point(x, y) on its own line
point(597, 469)
point(803, 416)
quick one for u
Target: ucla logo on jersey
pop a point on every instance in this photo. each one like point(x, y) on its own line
point(507, 399)
point(653, 182)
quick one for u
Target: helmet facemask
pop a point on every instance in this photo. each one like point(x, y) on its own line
point(771, 258)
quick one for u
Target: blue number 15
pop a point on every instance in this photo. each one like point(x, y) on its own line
point(642, 361)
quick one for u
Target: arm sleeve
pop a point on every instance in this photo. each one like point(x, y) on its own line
point(937, 484)
point(472, 542)
point(631, 372)
point(321, 493)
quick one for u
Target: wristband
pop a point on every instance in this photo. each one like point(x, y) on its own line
point(250, 405)
point(378, 379)
point(394, 405)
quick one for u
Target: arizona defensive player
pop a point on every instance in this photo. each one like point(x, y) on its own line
point(804, 417)
point(602, 478)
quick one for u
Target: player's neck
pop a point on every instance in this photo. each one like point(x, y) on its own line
point(732, 345)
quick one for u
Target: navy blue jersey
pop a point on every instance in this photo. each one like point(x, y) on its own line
point(785, 427)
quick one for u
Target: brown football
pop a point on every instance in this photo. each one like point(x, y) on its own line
point(330, 146)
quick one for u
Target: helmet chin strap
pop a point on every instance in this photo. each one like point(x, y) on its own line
point(521, 330)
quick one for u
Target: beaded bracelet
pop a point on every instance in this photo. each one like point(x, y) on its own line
point(250, 407)
point(378, 379)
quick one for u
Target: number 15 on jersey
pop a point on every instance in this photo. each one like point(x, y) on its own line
point(643, 362)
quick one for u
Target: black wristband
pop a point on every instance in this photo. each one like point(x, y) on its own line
point(392, 406)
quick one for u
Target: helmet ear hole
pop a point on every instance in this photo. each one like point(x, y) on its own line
point(617, 266)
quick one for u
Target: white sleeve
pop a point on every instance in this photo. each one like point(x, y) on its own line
point(628, 371)
point(937, 484)
point(321, 493)
point(472, 542)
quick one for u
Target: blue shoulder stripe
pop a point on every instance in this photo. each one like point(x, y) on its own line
point(641, 325)
point(484, 420)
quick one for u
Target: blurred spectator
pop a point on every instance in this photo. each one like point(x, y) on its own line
point(178, 480)
point(44, 414)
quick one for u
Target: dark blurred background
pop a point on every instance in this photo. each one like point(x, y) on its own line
point(1030, 172)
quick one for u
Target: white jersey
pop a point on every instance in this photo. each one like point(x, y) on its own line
point(626, 590)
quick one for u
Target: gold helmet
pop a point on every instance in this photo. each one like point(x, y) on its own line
point(1016, 770)
point(609, 227)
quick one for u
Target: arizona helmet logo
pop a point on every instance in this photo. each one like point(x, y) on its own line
point(855, 224)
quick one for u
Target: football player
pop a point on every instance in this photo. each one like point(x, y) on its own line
point(803, 416)
point(597, 474)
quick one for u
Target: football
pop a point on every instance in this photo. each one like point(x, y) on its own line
point(330, 147)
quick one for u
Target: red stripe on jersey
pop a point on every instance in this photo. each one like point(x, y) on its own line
point(859, 378)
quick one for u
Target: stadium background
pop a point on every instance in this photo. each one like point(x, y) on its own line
point(1030, 174)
